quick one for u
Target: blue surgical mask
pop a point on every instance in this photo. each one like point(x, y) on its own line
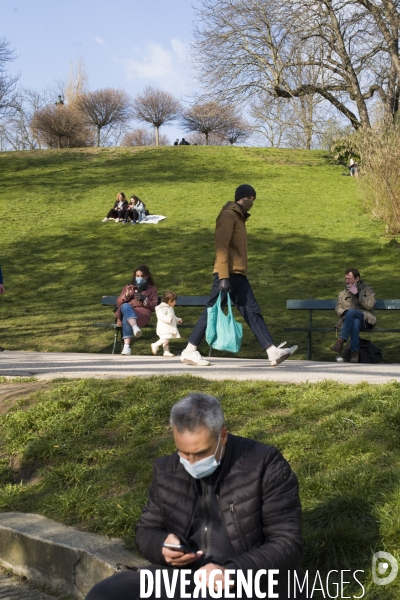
point(203, 467)
point(140, 280)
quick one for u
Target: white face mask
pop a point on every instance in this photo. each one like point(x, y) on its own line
point(203, 467)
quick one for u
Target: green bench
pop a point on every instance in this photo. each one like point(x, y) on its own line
point(312, 305)
point(191, 301)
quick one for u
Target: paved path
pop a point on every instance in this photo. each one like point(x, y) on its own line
point(51, 365)
point(13, 588)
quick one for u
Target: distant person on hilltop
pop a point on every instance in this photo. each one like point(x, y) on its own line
point(230, 275)
point(184, 142)
point(1, 292)
point(176, 142)
point(118, 212)
point(355, 308)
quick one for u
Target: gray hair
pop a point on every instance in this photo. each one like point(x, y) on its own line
point(197, 410)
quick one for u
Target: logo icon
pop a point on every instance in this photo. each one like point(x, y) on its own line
point(385, 564)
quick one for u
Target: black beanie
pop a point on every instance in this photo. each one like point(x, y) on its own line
point(244, 190)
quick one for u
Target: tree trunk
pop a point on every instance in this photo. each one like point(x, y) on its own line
point(157, 136)
point(206, 134)
point(59, 142)
point(98, 136)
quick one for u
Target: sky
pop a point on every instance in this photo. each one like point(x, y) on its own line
point(124, 44)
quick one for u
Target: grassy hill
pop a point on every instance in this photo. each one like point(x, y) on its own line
point(58, 258)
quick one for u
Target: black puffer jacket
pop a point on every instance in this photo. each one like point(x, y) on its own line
point(258, 500)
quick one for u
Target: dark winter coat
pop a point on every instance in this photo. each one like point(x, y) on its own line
point(258, 500)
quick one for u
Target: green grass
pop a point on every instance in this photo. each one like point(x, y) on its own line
point(82, 454)
point(307, 225)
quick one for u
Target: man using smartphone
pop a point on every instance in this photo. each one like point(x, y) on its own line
point(219, 503)
point(355, 308)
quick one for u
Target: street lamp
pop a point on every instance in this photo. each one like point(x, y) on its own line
point(60, 101)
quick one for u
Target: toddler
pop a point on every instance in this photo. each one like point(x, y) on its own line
point(167, 323)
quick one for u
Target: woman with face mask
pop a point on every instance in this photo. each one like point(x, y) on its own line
point(136, 303)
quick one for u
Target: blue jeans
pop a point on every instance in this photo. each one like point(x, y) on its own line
point(353, 324)
point(243, 298)
point(127, 313)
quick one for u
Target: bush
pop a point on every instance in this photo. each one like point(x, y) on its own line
point(380, 174)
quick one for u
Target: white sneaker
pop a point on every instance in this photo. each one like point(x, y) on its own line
point(168, 353)
point(193, 358)
point(118, 220)
point(137, 332)
point(126, 351)
point(104, 220)
point(154, 348)
point(278, 355)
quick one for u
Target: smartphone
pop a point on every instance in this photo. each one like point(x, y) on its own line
point(179, 548)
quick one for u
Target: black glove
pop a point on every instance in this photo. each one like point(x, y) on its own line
point(224, 285)
point(140, 297)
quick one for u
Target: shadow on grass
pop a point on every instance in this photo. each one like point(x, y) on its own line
point(68, 273)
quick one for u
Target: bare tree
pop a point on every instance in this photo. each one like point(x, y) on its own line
point(143, 137)
point(348, 51)
point(208, 117)
point(77, 82)
point(214, 139)
point(104, 108)
point(238, 130)
point(61, 126)
point(8, 83)
point(156, 107)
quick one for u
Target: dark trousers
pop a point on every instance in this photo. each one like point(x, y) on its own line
point(243, 298)
point(132, 213)
point(116, 214)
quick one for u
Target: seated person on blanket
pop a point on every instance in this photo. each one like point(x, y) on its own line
point(118, 212)
point(136, 210)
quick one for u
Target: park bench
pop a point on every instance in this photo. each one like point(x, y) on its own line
point(191, 301)
point(311, 304)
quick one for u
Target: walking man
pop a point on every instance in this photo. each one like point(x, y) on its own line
point(230, 275)
point(220, 502)
point(355, 309)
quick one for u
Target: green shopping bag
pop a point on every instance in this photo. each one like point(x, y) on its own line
point(223, 332)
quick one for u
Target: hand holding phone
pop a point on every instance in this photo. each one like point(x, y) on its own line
point(179, 548)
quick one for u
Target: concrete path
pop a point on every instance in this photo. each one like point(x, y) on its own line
point(13, 588)
point(51, 365)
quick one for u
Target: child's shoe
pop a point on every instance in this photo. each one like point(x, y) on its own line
point(154, 348)
point(168, 353)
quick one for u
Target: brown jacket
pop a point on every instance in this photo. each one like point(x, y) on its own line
point(365, 302)
point(143, 311)
point(231, 241)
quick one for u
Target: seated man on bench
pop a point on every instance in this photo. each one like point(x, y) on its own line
point(355, 309)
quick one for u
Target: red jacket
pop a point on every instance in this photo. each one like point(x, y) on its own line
point(143, 311)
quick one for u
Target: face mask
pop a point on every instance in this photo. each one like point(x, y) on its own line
point(204, 467)
point(140, 280)
point(247, 204)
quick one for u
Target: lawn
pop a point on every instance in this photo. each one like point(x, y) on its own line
point(58, 258)
point(81, 452)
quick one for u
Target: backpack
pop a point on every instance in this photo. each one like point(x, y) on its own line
point(369, 353)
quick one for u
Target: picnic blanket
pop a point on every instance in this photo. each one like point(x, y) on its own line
point(152, 219)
